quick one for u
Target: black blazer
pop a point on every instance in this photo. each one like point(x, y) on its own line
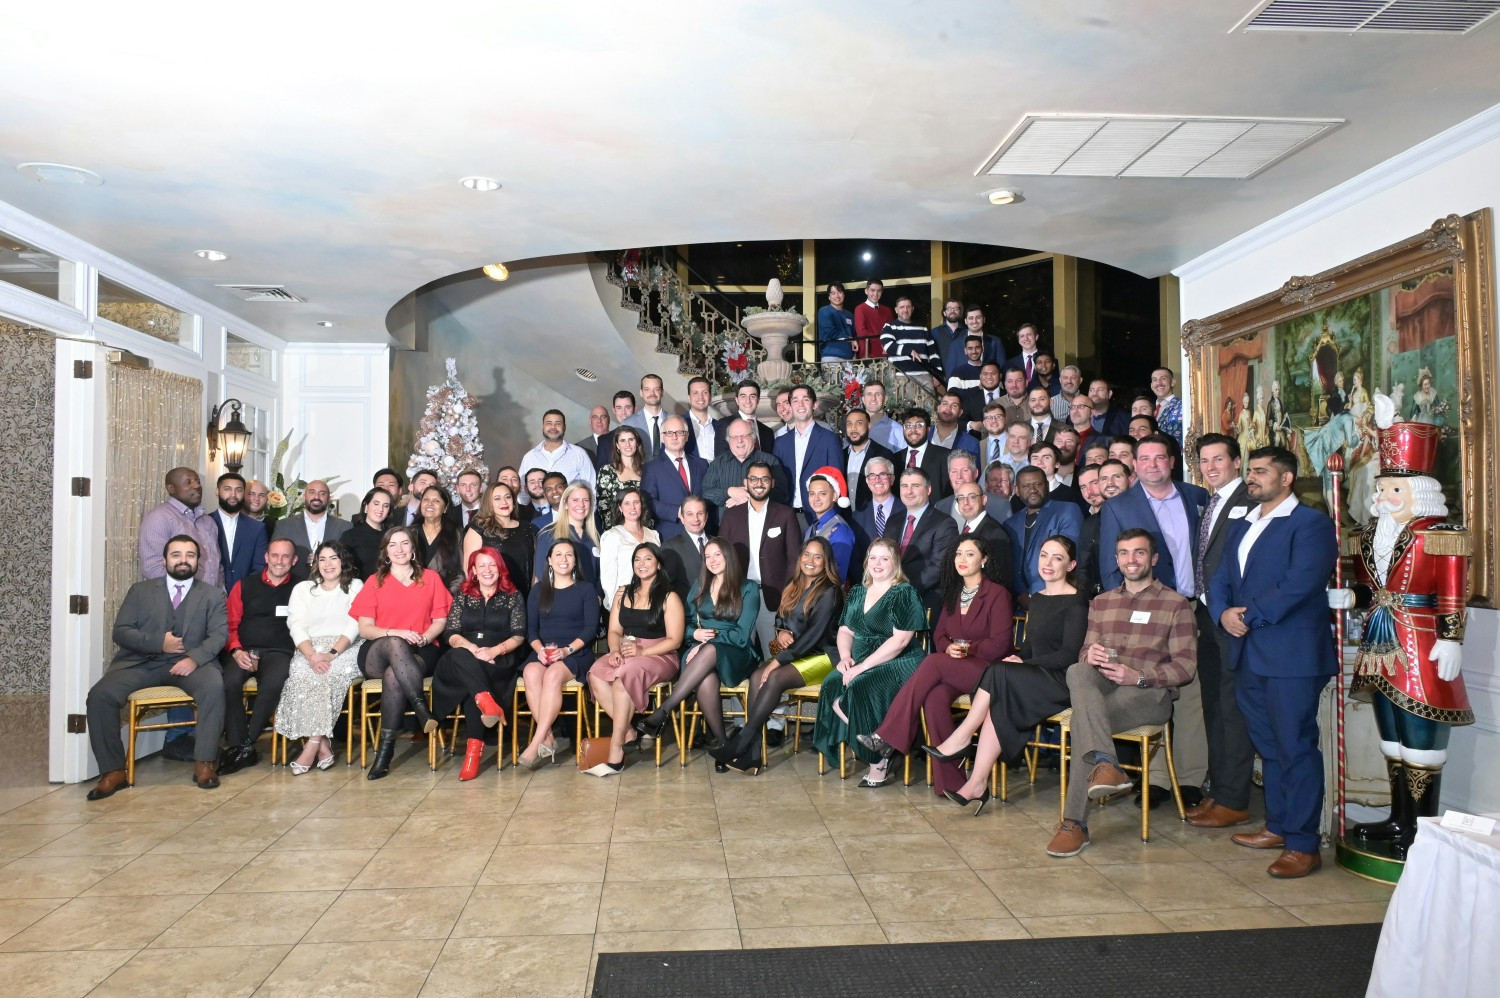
point(859, 492)
point(1088, 573)
point(683, 562)
point(922, 561)
point(721, 426)
point(998, 538)
point(1238, 499)
point(935, 463)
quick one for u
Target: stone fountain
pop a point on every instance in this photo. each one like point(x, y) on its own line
point(775, 329)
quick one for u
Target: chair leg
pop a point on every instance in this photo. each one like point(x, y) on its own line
point(1172, 771)
point(349, 726)
point(135, 721)
point(1062, 769)
point(843, 762)
point(926, 737)
point(1146, 754)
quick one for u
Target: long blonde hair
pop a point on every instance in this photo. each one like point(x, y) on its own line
point(559, 526)
point(898, 576)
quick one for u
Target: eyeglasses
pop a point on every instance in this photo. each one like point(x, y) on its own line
point(674, 433)
point(914, 424)
point(759, 479)
point(878, 474)
point(967, 497)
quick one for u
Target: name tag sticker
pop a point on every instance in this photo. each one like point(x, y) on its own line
point(282, 611)
point(1460, 822)
point(1238, 513)
point(1140, 617)
point(774, 532)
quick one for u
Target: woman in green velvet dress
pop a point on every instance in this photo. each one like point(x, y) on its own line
point(878, 652)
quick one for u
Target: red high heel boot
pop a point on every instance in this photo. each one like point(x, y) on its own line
point(491, 713)
point(471, 759)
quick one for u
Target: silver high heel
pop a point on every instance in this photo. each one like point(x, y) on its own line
point(297, 768)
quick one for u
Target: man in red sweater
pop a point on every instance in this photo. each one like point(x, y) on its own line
point(870, 317)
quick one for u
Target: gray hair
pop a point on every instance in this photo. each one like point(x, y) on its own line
point(872, 462)
point(961, 455)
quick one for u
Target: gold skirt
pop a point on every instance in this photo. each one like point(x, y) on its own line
point(813, 669)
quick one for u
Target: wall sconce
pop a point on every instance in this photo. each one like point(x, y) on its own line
point(234, 437)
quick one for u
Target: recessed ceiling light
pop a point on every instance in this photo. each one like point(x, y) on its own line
point(326, 324)
point(1006, 196)
point(60, 173)
point(496, 271)
point(481, 183)
point(213, 256)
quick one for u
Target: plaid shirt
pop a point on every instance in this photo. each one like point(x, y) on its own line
point(1164, 646)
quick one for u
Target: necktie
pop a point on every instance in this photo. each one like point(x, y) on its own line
point(702, 545)
point(966, 528)
point(655, 436)
point(989, 396)
point(682, 470)
point(911, 458)
point(1036, 430)
point(177, 595)
point(1028, 367)
point(911, 525)
point(1204, 527)
point(995, 449)
point(880, 519)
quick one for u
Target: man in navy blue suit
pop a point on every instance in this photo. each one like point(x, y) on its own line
point(806, 446)
point(242, 539)
point(1269, 596)
point(1169, 510)
point(1036, 521)
point(1107, 419)
point(672, 476)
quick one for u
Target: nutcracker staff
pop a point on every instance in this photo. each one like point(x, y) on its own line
point(1414, 569)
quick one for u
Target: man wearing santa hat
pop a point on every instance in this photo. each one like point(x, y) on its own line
point(827, 495)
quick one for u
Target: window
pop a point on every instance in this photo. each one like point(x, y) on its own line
point(262, 442)
point(144, 314)
point(1009, 298)
point(30, 269)
point(747, 264)
point(967, 256)
point(859, 260)
point(247, 356)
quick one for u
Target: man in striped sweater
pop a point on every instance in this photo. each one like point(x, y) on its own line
point(908, 345)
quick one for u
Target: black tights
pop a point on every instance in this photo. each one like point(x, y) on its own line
point(701, 676)
point(768, 685)
point(398, 664)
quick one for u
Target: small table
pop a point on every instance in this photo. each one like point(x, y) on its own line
point(1441, 936)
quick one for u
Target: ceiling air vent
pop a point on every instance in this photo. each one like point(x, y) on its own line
point(259, 292)
point(1143, 145)
point(1351, 16)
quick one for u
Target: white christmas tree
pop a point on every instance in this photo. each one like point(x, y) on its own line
point(448, 437)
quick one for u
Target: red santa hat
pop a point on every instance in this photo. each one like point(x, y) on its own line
point(834, 477)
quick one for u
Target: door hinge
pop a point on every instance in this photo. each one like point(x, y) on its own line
point(78, 724)
point(78, 604)
point(83, 486)
point(83, 369)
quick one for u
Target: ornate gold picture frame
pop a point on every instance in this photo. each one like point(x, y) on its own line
point(1415, 321)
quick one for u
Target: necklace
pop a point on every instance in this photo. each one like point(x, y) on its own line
point(966, 596)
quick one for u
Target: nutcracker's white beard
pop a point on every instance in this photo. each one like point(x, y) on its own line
point(1387, 529)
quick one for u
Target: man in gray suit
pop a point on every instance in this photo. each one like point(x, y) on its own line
point(314, 524)
point(169, 632)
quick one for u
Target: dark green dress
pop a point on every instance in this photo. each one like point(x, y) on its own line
point(866, 702)
point(736, 657)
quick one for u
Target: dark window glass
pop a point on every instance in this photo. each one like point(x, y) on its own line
point(1129, 330)
point(845, 259)
point(749, 263)
point(964, 256)
point(1009, 298)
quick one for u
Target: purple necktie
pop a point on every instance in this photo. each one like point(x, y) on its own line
point(177, 595)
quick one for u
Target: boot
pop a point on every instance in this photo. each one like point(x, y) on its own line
point(490, 712)
point(1422, 786)
point(1391, 829)
point(381, 764)
point(472, 755)
point(418, 701)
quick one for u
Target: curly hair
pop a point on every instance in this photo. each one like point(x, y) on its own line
point(952, 583)
point(346, 563)
point(470, 584)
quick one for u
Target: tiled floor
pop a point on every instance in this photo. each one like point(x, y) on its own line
point(330, 884)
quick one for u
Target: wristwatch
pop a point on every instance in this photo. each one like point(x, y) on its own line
point(1141, 683)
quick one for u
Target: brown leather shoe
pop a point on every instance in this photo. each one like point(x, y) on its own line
point(1263, 839)
point(1217, 816)
point(1198, 808)
point(1291, 865)
point(206, 775)
point(109, 784)
point(1106, 779)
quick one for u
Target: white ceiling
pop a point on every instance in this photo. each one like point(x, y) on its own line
point(320, 144)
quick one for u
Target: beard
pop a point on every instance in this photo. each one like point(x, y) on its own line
point(181, 571)
point(231, 505)
point(1387, 530)
point(315, 505)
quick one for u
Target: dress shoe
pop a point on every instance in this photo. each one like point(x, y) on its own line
point(1157, 796)
point(874, 743)
point(1290, 865)
point(958, 756)
point(109, 784)
point(1191, 796)
point(775, 737)
point(1217, 816)
point(205, 775)
point(1106, 779)
point(1263, 839)
point(1071, 839)
point(179, 749)
point(473, 752)
point(1190, 811)
point(380, 766)
point(490, 712)
point(963, 801)
point(237, 758)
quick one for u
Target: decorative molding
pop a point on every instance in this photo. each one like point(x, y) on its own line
point(1442, 147)
point(1301, 290)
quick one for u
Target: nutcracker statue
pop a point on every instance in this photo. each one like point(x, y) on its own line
point(1413, 576)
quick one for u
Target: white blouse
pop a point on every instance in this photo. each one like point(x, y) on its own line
point(315, 612)
point(617, 557)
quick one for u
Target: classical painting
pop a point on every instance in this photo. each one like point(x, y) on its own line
point(1299, 367)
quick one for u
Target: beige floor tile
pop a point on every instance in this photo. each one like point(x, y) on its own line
point(187, 803)
point(290, 808)
point(224, 972)
point(103, 923)
point(1214, 919)
point(1179, 886)
point(932, 896)
point(396, 913)
point(13, 797)
point(68, 806)
point(369, 805)
point(674, 824)
point(1116, 850)
point(765, 902)
point(17, 914)
point(899, 853)
point(427, 835)
point(954, 930)
point(790, 822)
point(1339, 914)
point(55, 876)
point(666, 940)
point(558, 827)
point(300, 870)
point(1006, 848)
point(1118, 924)
point(234, 836)
point(371, 970)
point(811, 854)
point(552, 966)
point(682, 860)
point(546, 863)
point(899, 818)
point(1064, 888)
point(338, 833)
point(228, 920)
point(569, 791)
point(643, 905)
point(58, 975)
point(413, 866)
point(101, 838)
point(789, 936)
point(654, 796)
point(1330, 885)
point(455, 823)
point(1214, 845)
point(19, 840)
point(191, 873)
point(530, 909)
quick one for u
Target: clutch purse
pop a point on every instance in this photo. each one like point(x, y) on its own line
point(591, 752)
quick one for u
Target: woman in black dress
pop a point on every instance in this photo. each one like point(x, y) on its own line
point(369, 526)
point(499, 526)
point(1019, 692)
point(485, 632)
point(437, 538)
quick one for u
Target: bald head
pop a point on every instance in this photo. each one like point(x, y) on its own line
point(741, 437)
point(315, 497)
point(184, 485)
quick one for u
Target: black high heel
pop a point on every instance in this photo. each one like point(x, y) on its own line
point(963, 801)
point(749, 767)
point(958, 756)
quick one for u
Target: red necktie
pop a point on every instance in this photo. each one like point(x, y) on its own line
point(911, 524)
point(682, 470)
point(911, 458)
point(966, 528)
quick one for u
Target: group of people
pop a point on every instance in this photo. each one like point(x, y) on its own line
point(672, 557)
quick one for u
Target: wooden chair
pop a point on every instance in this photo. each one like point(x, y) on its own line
point(796, 714)
point(999, 778)
point(281, 747)
point(655, 695)
point(579, 712)
point(369, 712)
point(1150, 738)
point(151, 700)
point(689, 715)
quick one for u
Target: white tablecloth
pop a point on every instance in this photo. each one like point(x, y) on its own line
point(1441, 936)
